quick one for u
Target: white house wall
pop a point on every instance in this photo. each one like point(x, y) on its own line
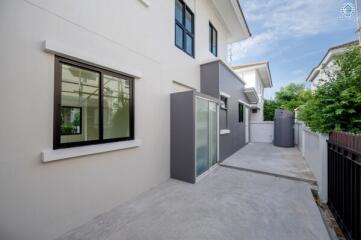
point(253, 80)
point(324, 74)
point(41, 201)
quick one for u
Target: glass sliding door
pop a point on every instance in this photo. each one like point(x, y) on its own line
point(206, 135)
point(202, 136)
point(213, 136)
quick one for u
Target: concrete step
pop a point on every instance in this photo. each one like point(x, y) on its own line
point(310, 181)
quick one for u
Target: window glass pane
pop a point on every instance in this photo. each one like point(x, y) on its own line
point(189, 21)
point(210, 38)
point(79, 104)
point(116, 105)
point(202, 138)
point(240, 112)
point(179, 11)
point(71, 120)
point(179, 36)
point(214, 42)
point(189, 44)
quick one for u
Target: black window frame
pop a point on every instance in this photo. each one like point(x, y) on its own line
point(59, 60)
point(240, 112)
point(211, 30)
point(183, 27)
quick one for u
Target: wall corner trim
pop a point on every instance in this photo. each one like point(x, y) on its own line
point(66, 153)
point(145, 3)
point(78, 52)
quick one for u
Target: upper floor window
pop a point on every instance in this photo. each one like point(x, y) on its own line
point(184, 28)
point(91, 105)
point(213, 40)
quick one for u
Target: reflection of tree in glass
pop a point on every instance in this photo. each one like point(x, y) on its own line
point(76, 121)
point(70, 121)
point(116, 107)
point(121, 116)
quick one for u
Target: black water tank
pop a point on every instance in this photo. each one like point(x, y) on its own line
point(283, 128)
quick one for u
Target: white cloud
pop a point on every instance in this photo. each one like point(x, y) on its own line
point(255, 44)
point(278, 20)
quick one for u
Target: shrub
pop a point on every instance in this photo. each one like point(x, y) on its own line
point(336, 104)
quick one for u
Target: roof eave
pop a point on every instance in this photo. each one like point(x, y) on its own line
point(327, 58)
point(258, 66)
point(234, 21)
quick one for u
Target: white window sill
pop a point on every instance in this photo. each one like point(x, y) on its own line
point(66, 153)
point(224, 131)
point(223, 94)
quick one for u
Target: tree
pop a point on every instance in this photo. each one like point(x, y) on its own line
point(336, 104)
point(289, 97)
point(292, 96)
point(269, 108)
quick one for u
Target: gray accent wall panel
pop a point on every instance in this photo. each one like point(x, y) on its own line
point(182, 136)
point(232, 142)
point(216, 78)
point(210, 79)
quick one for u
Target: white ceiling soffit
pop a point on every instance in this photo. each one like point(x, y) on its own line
point(262, 68)
point(251, 95)
point(265, 75)
point(231, 13)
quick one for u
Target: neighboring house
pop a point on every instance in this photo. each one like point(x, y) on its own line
point(85, 99)
point(257, 77)
point(321, 73)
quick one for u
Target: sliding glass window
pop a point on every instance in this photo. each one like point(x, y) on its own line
point(91, 105)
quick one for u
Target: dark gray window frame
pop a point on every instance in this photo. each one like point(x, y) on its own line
point(212, 30)
point(186, 32)
point(59, 60)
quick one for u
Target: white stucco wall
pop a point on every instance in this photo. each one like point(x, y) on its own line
point(262, 132)
point(41, 201)
point(313, 147)
point(326, 71)
point(253, 80)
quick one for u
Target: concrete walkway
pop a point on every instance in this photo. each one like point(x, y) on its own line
point(227, 204)
point(268, 159)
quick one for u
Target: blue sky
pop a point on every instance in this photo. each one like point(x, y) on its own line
point(293, 35)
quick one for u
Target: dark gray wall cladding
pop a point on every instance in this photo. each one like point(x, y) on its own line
point(230, 84)
point(210, 79)
point(182, 136)
point(216, 77)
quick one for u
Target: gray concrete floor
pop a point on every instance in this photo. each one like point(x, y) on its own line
point(264, 157)
point(227, 204)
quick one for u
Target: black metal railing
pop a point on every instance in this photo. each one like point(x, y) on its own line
point(344, 186)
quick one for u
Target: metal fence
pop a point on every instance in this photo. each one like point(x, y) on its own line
point(344, 182)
